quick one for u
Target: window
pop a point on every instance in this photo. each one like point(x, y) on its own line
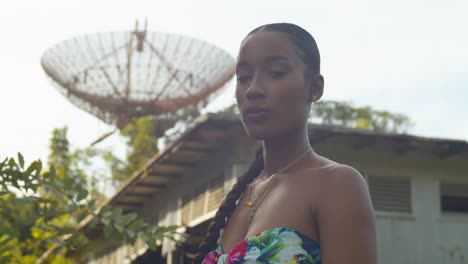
point(454, 197)
point(390, 194)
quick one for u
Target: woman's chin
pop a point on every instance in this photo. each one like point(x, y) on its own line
point(258, 134)
point(258, 130)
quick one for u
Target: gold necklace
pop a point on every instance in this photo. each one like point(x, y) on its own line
point(255, 203)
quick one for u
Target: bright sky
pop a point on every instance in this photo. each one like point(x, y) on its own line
point(402, 56)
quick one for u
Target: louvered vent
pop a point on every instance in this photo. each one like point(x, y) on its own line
point(135, 248)
point(113, 257)
point(203, 201)
point(215, 194)
point(390, 194)
point(199, 204)
point(186, 207)
point(454, 197)
point(108, 258)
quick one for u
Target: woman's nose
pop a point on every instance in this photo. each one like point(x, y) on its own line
point(256, 89)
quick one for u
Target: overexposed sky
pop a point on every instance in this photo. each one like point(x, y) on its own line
point(402, 56)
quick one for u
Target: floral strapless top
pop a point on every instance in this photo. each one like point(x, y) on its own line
point(276, 245)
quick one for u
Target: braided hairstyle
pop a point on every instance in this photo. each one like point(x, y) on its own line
point(308, 51)
point(227, 207)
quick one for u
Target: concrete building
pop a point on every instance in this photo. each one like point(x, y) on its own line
point(419, 189)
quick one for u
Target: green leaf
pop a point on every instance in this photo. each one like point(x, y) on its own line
point(130, 233)
point(152, 244)
point(22, 201)
point(170, 238)
point(160, 230)
point(82, 195)
point(108, 231)
point(93, 222)
point(52, 172)
point(106, 214)
point(92, 205)
point(105, 208)
point(38, 167)
point(117, 212)
point(12, 163)
point(106, 221)
point(137, 224)
point(21, 160)
point(4, 240)
point(81, 216)
point(6, 259)
point(119, 237)
point(119, 227)
point(71, 207)
point(75, 241)
point(129, 218)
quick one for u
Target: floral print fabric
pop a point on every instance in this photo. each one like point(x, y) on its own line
point(276, 245)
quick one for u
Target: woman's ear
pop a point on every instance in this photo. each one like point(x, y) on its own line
point(315, 87)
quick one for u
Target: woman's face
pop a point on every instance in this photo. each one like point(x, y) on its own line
point(272, 92)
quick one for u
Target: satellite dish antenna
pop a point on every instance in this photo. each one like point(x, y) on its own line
point(117, 76)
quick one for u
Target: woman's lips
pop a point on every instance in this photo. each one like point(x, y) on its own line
point(257, 115)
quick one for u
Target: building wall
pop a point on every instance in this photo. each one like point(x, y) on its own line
point(422, 235)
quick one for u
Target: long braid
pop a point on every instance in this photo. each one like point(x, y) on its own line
point(227, 208)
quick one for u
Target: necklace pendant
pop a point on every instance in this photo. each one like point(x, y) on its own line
point(248, 204)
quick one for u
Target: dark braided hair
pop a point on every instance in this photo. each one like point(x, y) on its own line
point(308, 52)
point(227, 207)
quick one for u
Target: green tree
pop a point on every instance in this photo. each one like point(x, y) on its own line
point(142, 144)
point(59, 149)
point(141, 136)
point(346, 115)
point(40, 209)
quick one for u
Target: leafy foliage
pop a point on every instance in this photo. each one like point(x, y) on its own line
point(142, 144)
point(40, 209)
point(141, 136)
point(346, 115)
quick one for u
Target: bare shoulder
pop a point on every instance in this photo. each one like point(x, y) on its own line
point(343, 187)
point(345, 217)
point(331, 174)
point(342, 176)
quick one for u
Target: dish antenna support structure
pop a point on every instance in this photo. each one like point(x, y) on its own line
point(117, 76)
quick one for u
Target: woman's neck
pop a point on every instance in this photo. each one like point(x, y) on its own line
point(281, 152)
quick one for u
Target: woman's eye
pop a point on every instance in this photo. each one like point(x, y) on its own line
point(243, 78)
point(276, 74)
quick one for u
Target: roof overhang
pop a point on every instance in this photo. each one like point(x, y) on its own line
point(208, 132)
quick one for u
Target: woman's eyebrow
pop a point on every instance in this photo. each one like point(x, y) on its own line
point(275, 58)
point(267, 60)
point(241, 64)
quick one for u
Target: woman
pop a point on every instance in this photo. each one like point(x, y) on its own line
point(292, 205)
